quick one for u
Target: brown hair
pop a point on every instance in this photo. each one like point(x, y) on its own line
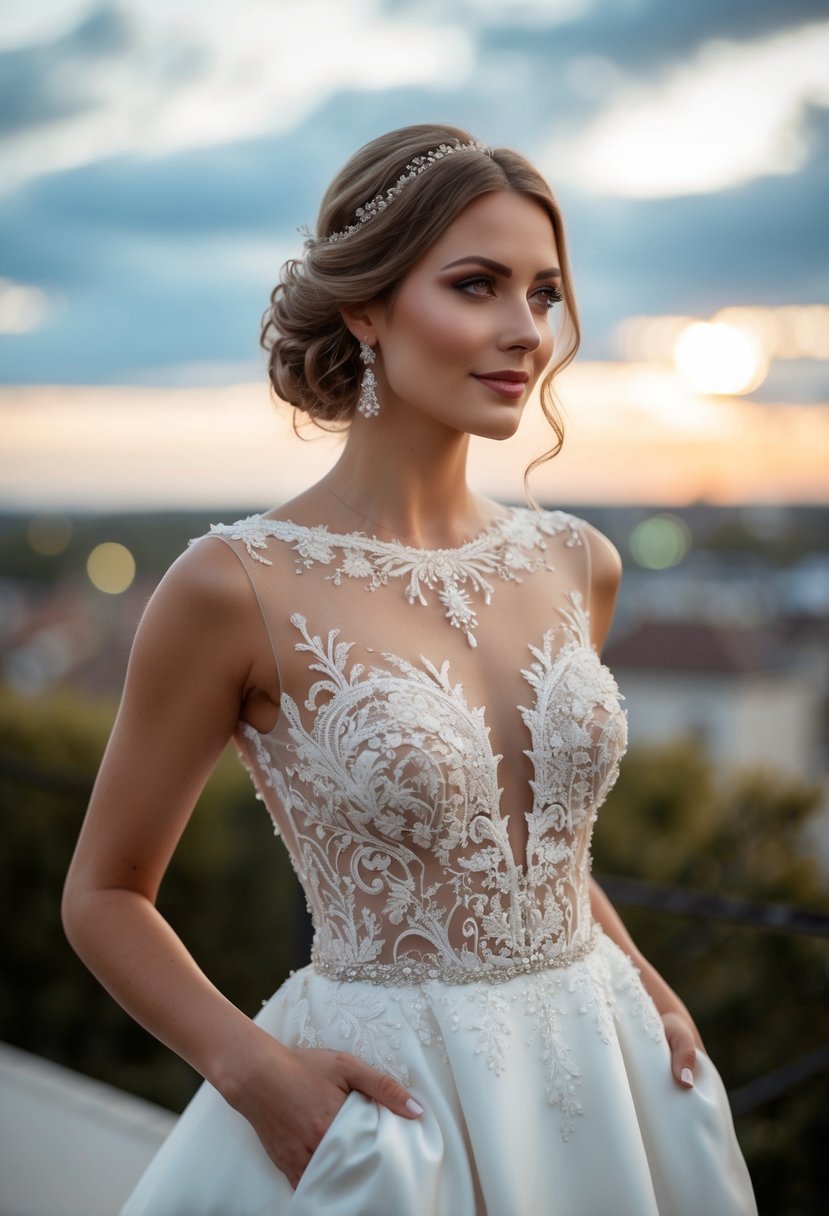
point(313, 359)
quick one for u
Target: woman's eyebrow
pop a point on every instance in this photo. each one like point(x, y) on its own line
point(551, 273)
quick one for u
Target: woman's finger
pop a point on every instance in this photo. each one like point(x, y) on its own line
point(379, 1085)
point(683, 1050)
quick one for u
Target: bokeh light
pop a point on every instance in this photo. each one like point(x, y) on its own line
point(649, 338)
point(660, 541)
point(792, 331)
point(49, 534)
point(111, 568)
point(721, 359)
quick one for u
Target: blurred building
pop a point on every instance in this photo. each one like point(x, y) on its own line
point(742, 693)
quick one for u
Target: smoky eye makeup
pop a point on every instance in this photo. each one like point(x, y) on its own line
point(474, 280)
point(549, 293)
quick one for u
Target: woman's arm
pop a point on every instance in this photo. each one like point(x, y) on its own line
point(180, 704)
point(189, 672)
point(682, 1034)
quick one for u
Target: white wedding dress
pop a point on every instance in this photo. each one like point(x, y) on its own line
point(446, 735)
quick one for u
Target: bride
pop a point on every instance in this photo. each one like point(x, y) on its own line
point(410, 672)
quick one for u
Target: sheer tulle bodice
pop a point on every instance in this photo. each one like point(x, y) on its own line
point(443, 744)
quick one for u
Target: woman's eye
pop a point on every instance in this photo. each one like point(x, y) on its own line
point(478, 285)
point(550, 295)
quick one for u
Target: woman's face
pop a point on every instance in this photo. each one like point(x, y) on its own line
point(469, 331)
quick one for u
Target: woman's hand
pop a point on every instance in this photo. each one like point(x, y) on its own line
point(291, 1095)
point(680, 1031)
point(683, 1040)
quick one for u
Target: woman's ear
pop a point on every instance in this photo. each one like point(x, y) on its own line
point(358, 319)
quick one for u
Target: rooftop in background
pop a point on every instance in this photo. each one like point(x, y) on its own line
point(695, 647)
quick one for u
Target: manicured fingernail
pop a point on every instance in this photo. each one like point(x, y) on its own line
point(414, 1108)
point(687, 1077)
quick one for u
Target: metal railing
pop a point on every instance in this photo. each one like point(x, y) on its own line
point(781, 918)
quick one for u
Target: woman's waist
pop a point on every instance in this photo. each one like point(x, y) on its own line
point(456, 967)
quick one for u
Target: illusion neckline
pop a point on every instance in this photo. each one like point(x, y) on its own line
point(454, 573)
point(365, 540)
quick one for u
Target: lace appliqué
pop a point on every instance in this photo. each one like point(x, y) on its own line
point(606, 986)
point(396, 829)
point(503, 550)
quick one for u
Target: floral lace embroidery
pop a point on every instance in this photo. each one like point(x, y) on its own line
point(365, 1023)
point(501, 550)
point(395, 809)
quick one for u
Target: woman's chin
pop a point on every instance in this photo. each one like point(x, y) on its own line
point(503, 427)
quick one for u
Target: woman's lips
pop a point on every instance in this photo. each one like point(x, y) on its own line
point(512, 387)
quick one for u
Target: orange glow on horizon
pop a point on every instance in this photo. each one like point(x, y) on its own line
point(635, 433)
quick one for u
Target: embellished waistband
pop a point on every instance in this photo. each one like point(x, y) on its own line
point(420, 971)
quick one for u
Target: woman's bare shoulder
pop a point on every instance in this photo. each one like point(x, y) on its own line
point(208, 576)
point(204, 609)
point(605, 580)
point(605, 559)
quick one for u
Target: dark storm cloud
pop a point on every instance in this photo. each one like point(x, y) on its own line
point(50, 81)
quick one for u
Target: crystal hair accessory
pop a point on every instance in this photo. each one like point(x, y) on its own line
point(368, 405)
point(378, 204)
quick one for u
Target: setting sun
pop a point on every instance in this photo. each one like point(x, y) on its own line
point(719, 358)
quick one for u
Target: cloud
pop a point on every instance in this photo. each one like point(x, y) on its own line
point(735, 113)
point(198, 75)
point(158, 241)
point(22, 24)
point(45, 84)
point(641, 37)
point(517, 14)
point(22, 308)
point(756, 244)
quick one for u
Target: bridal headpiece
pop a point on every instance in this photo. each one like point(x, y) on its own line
point(378, 204)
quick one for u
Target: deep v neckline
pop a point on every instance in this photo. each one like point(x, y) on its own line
point(381, 770)
point(540, 677)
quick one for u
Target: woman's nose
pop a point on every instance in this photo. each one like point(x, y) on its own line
point(521, 328)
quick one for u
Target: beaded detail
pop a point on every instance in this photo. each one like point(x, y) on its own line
point(420, 971)
point(377, 205)
point(456, 574)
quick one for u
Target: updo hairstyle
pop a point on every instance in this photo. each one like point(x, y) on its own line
point(314, 361)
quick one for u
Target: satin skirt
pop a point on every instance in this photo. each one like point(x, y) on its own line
point(550, 1094)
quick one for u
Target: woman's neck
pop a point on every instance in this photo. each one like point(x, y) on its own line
point(403, 487)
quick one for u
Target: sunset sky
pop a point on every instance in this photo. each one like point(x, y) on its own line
point(160, 155)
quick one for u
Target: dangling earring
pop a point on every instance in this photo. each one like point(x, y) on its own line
point(368, 405)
